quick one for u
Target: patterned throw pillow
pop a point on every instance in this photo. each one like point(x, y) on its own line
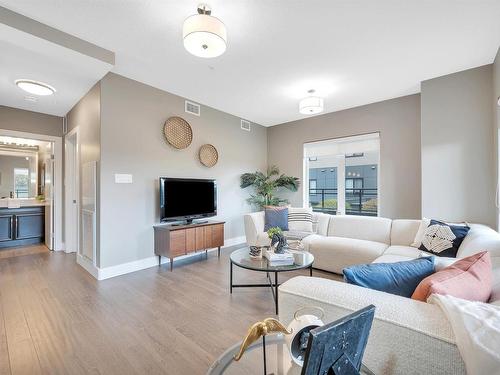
point(443, 239)
point(275, 216)
point(300, 220)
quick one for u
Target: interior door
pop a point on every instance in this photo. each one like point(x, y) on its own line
point(49, 198)
point(71, 190)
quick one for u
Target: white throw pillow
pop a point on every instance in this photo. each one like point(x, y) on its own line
point(300, 220)
point(424, 223)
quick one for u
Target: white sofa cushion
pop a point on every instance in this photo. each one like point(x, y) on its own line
point(320, 223)
point(406, 251)
point(376, 229)
point(407, 336)
point(254, 229)
point(335, 253)
point(403, 231)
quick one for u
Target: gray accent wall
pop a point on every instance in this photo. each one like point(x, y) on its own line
point(132, 142)
point(458, 155)
point(30, 122)
point(397, 120)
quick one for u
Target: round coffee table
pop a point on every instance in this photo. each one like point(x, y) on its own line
point(241, 258)
point(278, 360)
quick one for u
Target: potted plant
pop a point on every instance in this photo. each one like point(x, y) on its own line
point(267, 185)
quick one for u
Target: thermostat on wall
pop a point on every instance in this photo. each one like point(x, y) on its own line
point(121, 178)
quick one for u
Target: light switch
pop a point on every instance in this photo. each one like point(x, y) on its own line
point(121, 178)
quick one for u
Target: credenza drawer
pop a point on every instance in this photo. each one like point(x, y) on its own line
point(178, 242)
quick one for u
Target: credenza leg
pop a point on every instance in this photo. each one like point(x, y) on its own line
point(159, 260)
point(171, 264)
point(218, 252)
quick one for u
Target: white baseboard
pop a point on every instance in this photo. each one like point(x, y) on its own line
point(87, 265)
point(137, 265)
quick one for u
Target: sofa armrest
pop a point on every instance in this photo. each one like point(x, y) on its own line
point(407, 336)
point(321, 221)
point(254, 229)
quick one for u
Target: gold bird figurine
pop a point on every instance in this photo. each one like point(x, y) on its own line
point(259, 329)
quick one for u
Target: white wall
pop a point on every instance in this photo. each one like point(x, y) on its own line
point(458, 156)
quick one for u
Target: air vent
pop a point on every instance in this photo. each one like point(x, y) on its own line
point(245, 125)
point(192, 108)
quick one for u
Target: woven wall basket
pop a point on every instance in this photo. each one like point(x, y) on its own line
point(178, 132)
point(208, 155)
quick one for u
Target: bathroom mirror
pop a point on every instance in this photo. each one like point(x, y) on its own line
point(18, 173)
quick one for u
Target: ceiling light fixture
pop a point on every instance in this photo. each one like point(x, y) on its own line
point(35, 87)
point(311, 104)
point(204, 35)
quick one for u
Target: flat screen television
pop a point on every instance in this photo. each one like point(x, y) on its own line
point(183, 199)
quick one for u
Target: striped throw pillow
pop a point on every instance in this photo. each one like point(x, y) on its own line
point(300, 219)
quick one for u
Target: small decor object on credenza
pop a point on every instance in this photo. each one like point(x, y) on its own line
point(337, 348)
point(258, 330)
point(178, 132)
point(208, 155)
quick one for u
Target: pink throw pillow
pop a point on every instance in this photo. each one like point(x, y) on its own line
point(468, 278)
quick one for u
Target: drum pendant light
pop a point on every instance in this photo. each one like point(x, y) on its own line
point(204, 35)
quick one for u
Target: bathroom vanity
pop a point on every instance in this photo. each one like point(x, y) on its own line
point(22, 226)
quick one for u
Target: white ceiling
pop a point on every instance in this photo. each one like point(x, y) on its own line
point(352, 52)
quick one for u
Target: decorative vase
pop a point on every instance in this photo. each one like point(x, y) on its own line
point(255, 252)
point(278, 242)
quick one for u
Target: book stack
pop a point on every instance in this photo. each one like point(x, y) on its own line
point(285, 259)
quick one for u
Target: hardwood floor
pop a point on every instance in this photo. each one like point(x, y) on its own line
point(57, 319)
point(21, 251)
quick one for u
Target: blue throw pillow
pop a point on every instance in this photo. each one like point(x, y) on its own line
point(401, 278)
point(276, 217)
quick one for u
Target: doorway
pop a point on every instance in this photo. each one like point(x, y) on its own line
point(71, 184)
point(31, 190)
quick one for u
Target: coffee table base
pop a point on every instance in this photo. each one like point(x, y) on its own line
point(274, 286)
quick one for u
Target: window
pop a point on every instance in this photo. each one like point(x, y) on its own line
point(343, 175)
point(21, 182)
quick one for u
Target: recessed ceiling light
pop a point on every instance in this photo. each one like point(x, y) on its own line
point(311, 104)
point(204, 35)
point(35, 87)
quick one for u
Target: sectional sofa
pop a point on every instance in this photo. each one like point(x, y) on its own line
point(407, 336)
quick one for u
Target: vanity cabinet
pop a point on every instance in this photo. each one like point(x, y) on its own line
point(22, 226)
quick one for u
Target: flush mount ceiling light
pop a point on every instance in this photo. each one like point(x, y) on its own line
point(35, 87)
point(203, 34)
point(311, 105)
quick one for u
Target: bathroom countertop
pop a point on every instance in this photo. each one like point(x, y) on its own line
point(22, 202)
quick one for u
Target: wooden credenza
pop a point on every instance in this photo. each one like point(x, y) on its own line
point(175, 240)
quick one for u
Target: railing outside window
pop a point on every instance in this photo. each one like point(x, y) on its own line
point(363, 202)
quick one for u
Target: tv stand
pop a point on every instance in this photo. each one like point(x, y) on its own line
point(173, 240)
